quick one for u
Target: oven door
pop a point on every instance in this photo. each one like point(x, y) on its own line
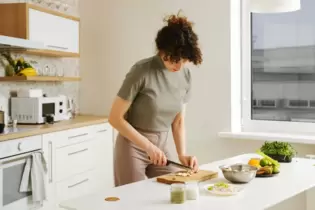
point(11, 172)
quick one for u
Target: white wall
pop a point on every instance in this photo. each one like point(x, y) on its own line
point(125, 33)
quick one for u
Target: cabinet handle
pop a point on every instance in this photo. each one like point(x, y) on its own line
point(51, 162)
point(76, 136)
point(58, 47)
point(81, 182)
point(101, 131)
point(73, 153)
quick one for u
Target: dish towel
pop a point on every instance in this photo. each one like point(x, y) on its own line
point(33, 178)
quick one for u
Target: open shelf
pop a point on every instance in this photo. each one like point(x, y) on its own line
point(38, 79)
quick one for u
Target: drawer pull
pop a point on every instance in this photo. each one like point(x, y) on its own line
point(101, 131)
point(77, 136)
point(57, 47)
point(76, 152)
point(76, 184)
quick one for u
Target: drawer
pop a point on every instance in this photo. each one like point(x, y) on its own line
point(99, 128)
point(76, 135)
point(75, 159)
point(19, 146)
point(76, 186)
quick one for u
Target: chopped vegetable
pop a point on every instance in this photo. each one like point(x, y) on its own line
point(223, 187)
point(221, 184)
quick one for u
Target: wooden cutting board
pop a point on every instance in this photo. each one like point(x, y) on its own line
point(202, 175)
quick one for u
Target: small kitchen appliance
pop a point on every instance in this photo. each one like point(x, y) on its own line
point(33, 110)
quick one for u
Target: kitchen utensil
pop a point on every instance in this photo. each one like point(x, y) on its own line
point(201, 175)
point(169, 162)
point(239, 173)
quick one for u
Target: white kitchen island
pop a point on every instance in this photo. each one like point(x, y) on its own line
point(295, 178)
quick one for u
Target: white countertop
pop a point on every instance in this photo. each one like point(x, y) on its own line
point(294, 178)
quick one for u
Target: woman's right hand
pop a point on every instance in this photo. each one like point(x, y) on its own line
point(157, 157)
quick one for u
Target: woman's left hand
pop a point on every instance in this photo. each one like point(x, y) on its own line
point(190, 161)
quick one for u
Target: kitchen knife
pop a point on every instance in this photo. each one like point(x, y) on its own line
point(169, 162)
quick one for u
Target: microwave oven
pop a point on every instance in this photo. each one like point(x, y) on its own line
point(33, 110)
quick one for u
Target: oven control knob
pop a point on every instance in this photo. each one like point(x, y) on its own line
point(19, 146)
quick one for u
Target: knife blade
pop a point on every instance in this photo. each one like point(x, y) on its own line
point(169, 162)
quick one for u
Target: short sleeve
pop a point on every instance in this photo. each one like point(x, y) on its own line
point(188, 91)
point(132, 84)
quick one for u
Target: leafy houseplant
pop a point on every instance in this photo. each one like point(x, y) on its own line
point(280, 151)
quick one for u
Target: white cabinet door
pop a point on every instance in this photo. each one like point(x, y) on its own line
point(57, 33)
point(105, 160)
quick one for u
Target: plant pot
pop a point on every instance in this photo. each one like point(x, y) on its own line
point(281, 158)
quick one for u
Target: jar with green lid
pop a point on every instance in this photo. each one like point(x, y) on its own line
point(178, 194)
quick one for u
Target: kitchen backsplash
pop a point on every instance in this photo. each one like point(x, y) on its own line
point(49, 66)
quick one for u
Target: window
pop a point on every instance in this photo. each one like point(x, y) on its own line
point(278, 70)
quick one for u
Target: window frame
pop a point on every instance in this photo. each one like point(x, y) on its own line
point(248, 124)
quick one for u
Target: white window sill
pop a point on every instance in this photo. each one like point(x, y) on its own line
point(291, 138)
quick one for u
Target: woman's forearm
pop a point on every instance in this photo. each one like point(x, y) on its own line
point(125, 129)
point(179, 136)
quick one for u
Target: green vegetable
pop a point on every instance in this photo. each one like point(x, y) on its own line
point(221, 184)
point(278, 148)
point(264, 162)
point(274, 162)
point(276, 170)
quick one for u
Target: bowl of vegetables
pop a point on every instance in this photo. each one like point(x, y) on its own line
point(267, 167)
point(280, 151)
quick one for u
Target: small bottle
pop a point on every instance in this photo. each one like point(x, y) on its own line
point(192, 191)
point(178, 195)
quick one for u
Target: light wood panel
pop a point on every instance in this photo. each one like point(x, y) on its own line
point(77, 122)
point(202, 175)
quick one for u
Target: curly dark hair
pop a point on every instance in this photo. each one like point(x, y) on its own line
point(177, 40)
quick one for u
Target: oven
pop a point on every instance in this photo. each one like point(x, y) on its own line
point(13, 156)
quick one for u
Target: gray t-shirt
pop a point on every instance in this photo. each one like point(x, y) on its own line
point(157, 94)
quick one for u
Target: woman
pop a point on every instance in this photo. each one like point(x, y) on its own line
point(152, 100)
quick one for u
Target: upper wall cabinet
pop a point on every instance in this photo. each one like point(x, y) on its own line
point(59, 32)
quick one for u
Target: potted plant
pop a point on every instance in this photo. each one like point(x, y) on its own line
point(280, 151)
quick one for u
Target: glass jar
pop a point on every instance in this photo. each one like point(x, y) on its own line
point(192, 191)
point(178, 194)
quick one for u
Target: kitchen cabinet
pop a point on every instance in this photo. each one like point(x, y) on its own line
point(58, 32)
point(80, 161)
